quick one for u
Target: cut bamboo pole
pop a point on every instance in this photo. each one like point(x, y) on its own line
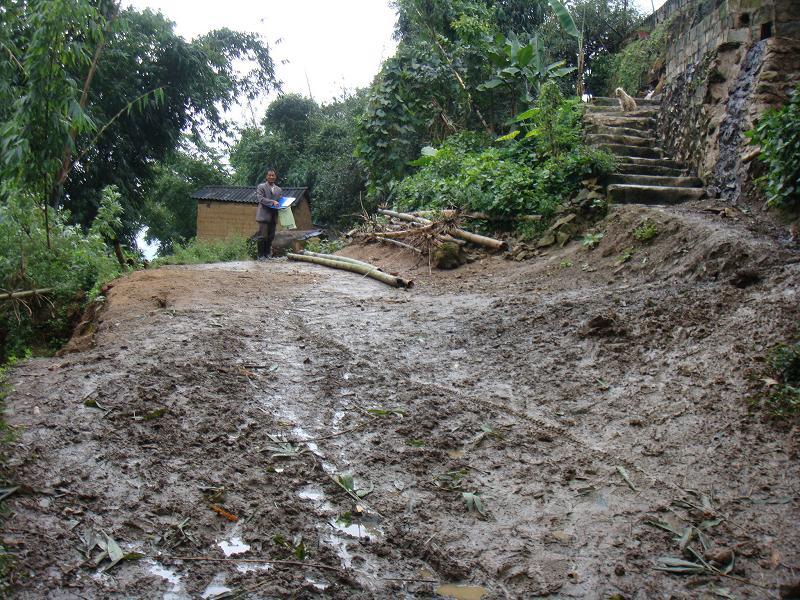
point(367, 271)
point(24, 293)
point(404, 232)
point(481, 240)
point(449, 213)
point(341, 258)
point(405, 216)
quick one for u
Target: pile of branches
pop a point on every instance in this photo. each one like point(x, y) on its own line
point(422, 235)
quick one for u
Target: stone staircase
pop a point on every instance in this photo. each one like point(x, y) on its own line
point(644, 175)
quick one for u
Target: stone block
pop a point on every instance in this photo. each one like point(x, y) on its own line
point(789, 30)
point(787, 10)
point(738, 35)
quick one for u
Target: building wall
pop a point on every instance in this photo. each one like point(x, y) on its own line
point(220, 220)
point(727, 62)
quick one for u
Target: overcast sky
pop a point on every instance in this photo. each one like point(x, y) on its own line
point(328, 45)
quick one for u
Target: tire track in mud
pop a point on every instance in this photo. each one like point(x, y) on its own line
point(403, 378)
point(456, 401)
point(336, 395)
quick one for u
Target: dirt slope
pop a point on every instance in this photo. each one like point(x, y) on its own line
point(538, 385)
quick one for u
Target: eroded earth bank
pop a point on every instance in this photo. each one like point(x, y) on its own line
point(592, 400)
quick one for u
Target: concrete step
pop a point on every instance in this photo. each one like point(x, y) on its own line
point(656, 180)
point(650, 194)
point(616, 120)
point(595, 139)
point(651, 162)
point(618, 130)
point(634, 169)
point(606, 101)
point(646, 111)
point(631, 151)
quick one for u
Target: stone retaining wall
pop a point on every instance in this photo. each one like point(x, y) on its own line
point(727, 62)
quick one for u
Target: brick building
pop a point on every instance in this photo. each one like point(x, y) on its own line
point(224, 211)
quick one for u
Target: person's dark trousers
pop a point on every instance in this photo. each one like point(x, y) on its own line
point(266, 235)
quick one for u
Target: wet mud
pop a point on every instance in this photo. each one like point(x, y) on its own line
point(546, 428)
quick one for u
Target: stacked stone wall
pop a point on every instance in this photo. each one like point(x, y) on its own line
point(727, 62)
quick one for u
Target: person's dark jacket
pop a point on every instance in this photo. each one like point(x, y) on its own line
point(266, 194)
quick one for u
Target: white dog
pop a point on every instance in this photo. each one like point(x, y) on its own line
point(626, 103)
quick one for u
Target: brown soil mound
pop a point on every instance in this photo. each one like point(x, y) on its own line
point(555, 426)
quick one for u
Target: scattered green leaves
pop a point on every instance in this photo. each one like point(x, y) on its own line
point(591, 240)
point(645, 231)
point(780, 395)
point(778, 135)
point(385, 412)
point(347, 483)
point(626, 255)
point(109, 550)
point(624, 473)
point(282, 448)
point(452, 480)
point(296, 546)
point(345, 519)
point(155, 414)
point(473, 502)
point(679, 566)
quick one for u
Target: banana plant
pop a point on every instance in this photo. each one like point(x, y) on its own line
point(564, 18)
point(517, 63)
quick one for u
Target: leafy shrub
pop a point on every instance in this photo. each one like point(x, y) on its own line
point(782, 400)
point(646, 231)
point(591, 240)
point(553, 124)
point(75, 266)
point(208, 251)
point(532, 176)
point(324, 246)
point(634, 66)
point(603, 70)
point(778, 134)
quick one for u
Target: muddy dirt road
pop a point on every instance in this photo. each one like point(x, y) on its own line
point(516, 429)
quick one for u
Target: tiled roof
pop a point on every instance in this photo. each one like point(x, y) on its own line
point(231, 193)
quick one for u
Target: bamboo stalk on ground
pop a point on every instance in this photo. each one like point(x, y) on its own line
point(405, 216)
point(404, 232)
point(481, 240)
point(341, 258)
point(449, 213)
point(361, 269)
point(24, 293)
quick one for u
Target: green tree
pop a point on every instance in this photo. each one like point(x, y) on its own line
point(309, 146)
point(45, 43)
point(605, 25)
point(169, 211)
point(200, 80)
point(291, 115)
point(256, 151)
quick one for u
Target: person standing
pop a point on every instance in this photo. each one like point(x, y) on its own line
point(268, 195)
